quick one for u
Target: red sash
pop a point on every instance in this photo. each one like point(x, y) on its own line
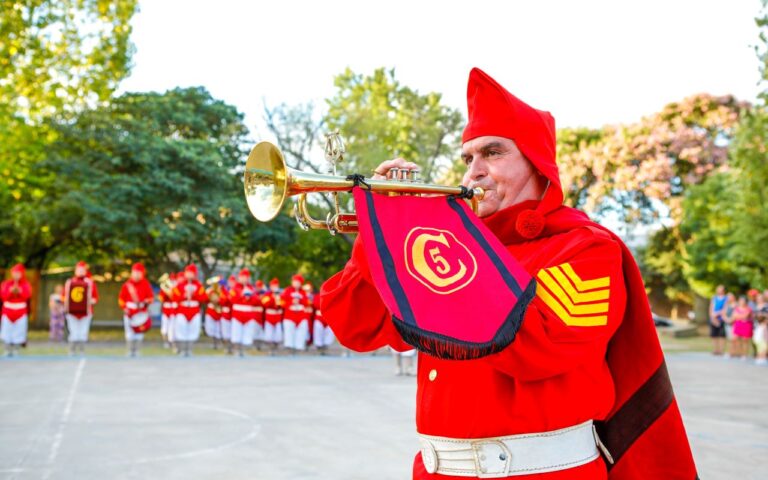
point(432, 262)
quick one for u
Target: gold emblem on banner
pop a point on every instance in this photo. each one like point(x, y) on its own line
point(77, 294)
point(438, 260)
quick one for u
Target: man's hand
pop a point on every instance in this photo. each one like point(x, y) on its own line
point(380, 172)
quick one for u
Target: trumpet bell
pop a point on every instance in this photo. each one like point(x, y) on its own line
point(265, 181)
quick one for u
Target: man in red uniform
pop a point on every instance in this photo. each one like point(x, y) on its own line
point(261, 317)
point(529, 410)
point(273, 316)
point(213, 310)
point(14, 318)
point(80, 295)
point(168, 309)
point(134, 299)
point(244, 300)
point(295, 322)
point(189, 294)
point(226, 313)
point(322, 335)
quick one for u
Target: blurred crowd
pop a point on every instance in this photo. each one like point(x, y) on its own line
point(738, 325)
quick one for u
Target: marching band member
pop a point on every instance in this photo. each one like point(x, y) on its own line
point(80, 295)
point(189, 294)
point(213, 313)
point(273, 316)
point(578, 388)
point(309, 311)
point(168, 309)
point(226, 313)
point(322, 335)
point(295, 323)
point(134, 299)
point(15, 294)
point(244, 300)
point(258, 337)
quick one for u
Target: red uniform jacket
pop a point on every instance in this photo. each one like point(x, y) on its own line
point(214, 309)
point(226, 305)
point(273, 314)
point(244, 301)
point(76, 300)
point(135, 296)
point(189, 296)
point(294, 302)
point(318, 313)
point(554, 375)
point(168, 303)
point(15, 298)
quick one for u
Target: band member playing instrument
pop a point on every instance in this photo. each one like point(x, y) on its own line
point(134, 299)
point(15, 294)
point(213, 312)
point(80, 295)
point(273, 316)
point(258, 337)
point(226, 313)
point(168, 308)
point(529, 409)
point(322, 335)
point(244, 300)
point(189, 294)
point(295, 322)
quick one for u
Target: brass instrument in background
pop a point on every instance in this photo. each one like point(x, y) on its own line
point(214, 289)
point(165, 283)
point(268, 181)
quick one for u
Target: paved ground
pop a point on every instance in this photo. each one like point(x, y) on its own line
point(291, 418)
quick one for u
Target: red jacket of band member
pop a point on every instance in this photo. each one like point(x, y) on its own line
point(294, 302)
point(244, 300)
point(143, 296)
point(167, 303)
point(273, 313)
point(15, 298)
point(552, 376)
point(226, 305)
point(318, 312)
point(189, 297)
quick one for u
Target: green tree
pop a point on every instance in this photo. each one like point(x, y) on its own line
point(382, 119)
point(56, 58)
point(154, 177)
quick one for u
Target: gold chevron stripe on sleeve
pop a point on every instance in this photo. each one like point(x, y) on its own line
point(583, 285)
point(570, 307)
point(575, 295)
point(551, 302)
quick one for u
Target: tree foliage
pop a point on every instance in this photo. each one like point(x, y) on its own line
point(155, 177)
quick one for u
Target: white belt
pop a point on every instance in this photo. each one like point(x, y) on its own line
point(296, 308)
point(131, 305)
point(523, 454)
point(225, 309)
point(272, 311)
point(243, 308)
point(169, 305)
point(15, 305)
point(189, 303)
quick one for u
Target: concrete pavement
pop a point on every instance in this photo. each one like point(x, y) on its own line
point(292, 417)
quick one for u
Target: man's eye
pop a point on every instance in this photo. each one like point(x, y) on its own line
point(493, 152)
point(467, 160)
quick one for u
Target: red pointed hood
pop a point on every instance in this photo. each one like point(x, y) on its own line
point(493, 111)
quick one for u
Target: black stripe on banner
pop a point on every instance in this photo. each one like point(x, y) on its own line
point(480, 239)
point(643, 408)
point(388, 263)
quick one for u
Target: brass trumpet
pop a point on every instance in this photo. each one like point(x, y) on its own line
point(269, 181)
point(165, 283)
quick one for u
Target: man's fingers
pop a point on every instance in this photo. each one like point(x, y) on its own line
point(384, 167)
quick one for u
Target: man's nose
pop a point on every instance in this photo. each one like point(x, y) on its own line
point(477, 170)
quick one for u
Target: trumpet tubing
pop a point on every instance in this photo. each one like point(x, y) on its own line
point(268, 182)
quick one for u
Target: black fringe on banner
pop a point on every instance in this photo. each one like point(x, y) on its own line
point(449, 348)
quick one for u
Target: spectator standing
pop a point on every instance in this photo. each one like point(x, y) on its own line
point(742, 328)
point(56, 309)
point(717, 320)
